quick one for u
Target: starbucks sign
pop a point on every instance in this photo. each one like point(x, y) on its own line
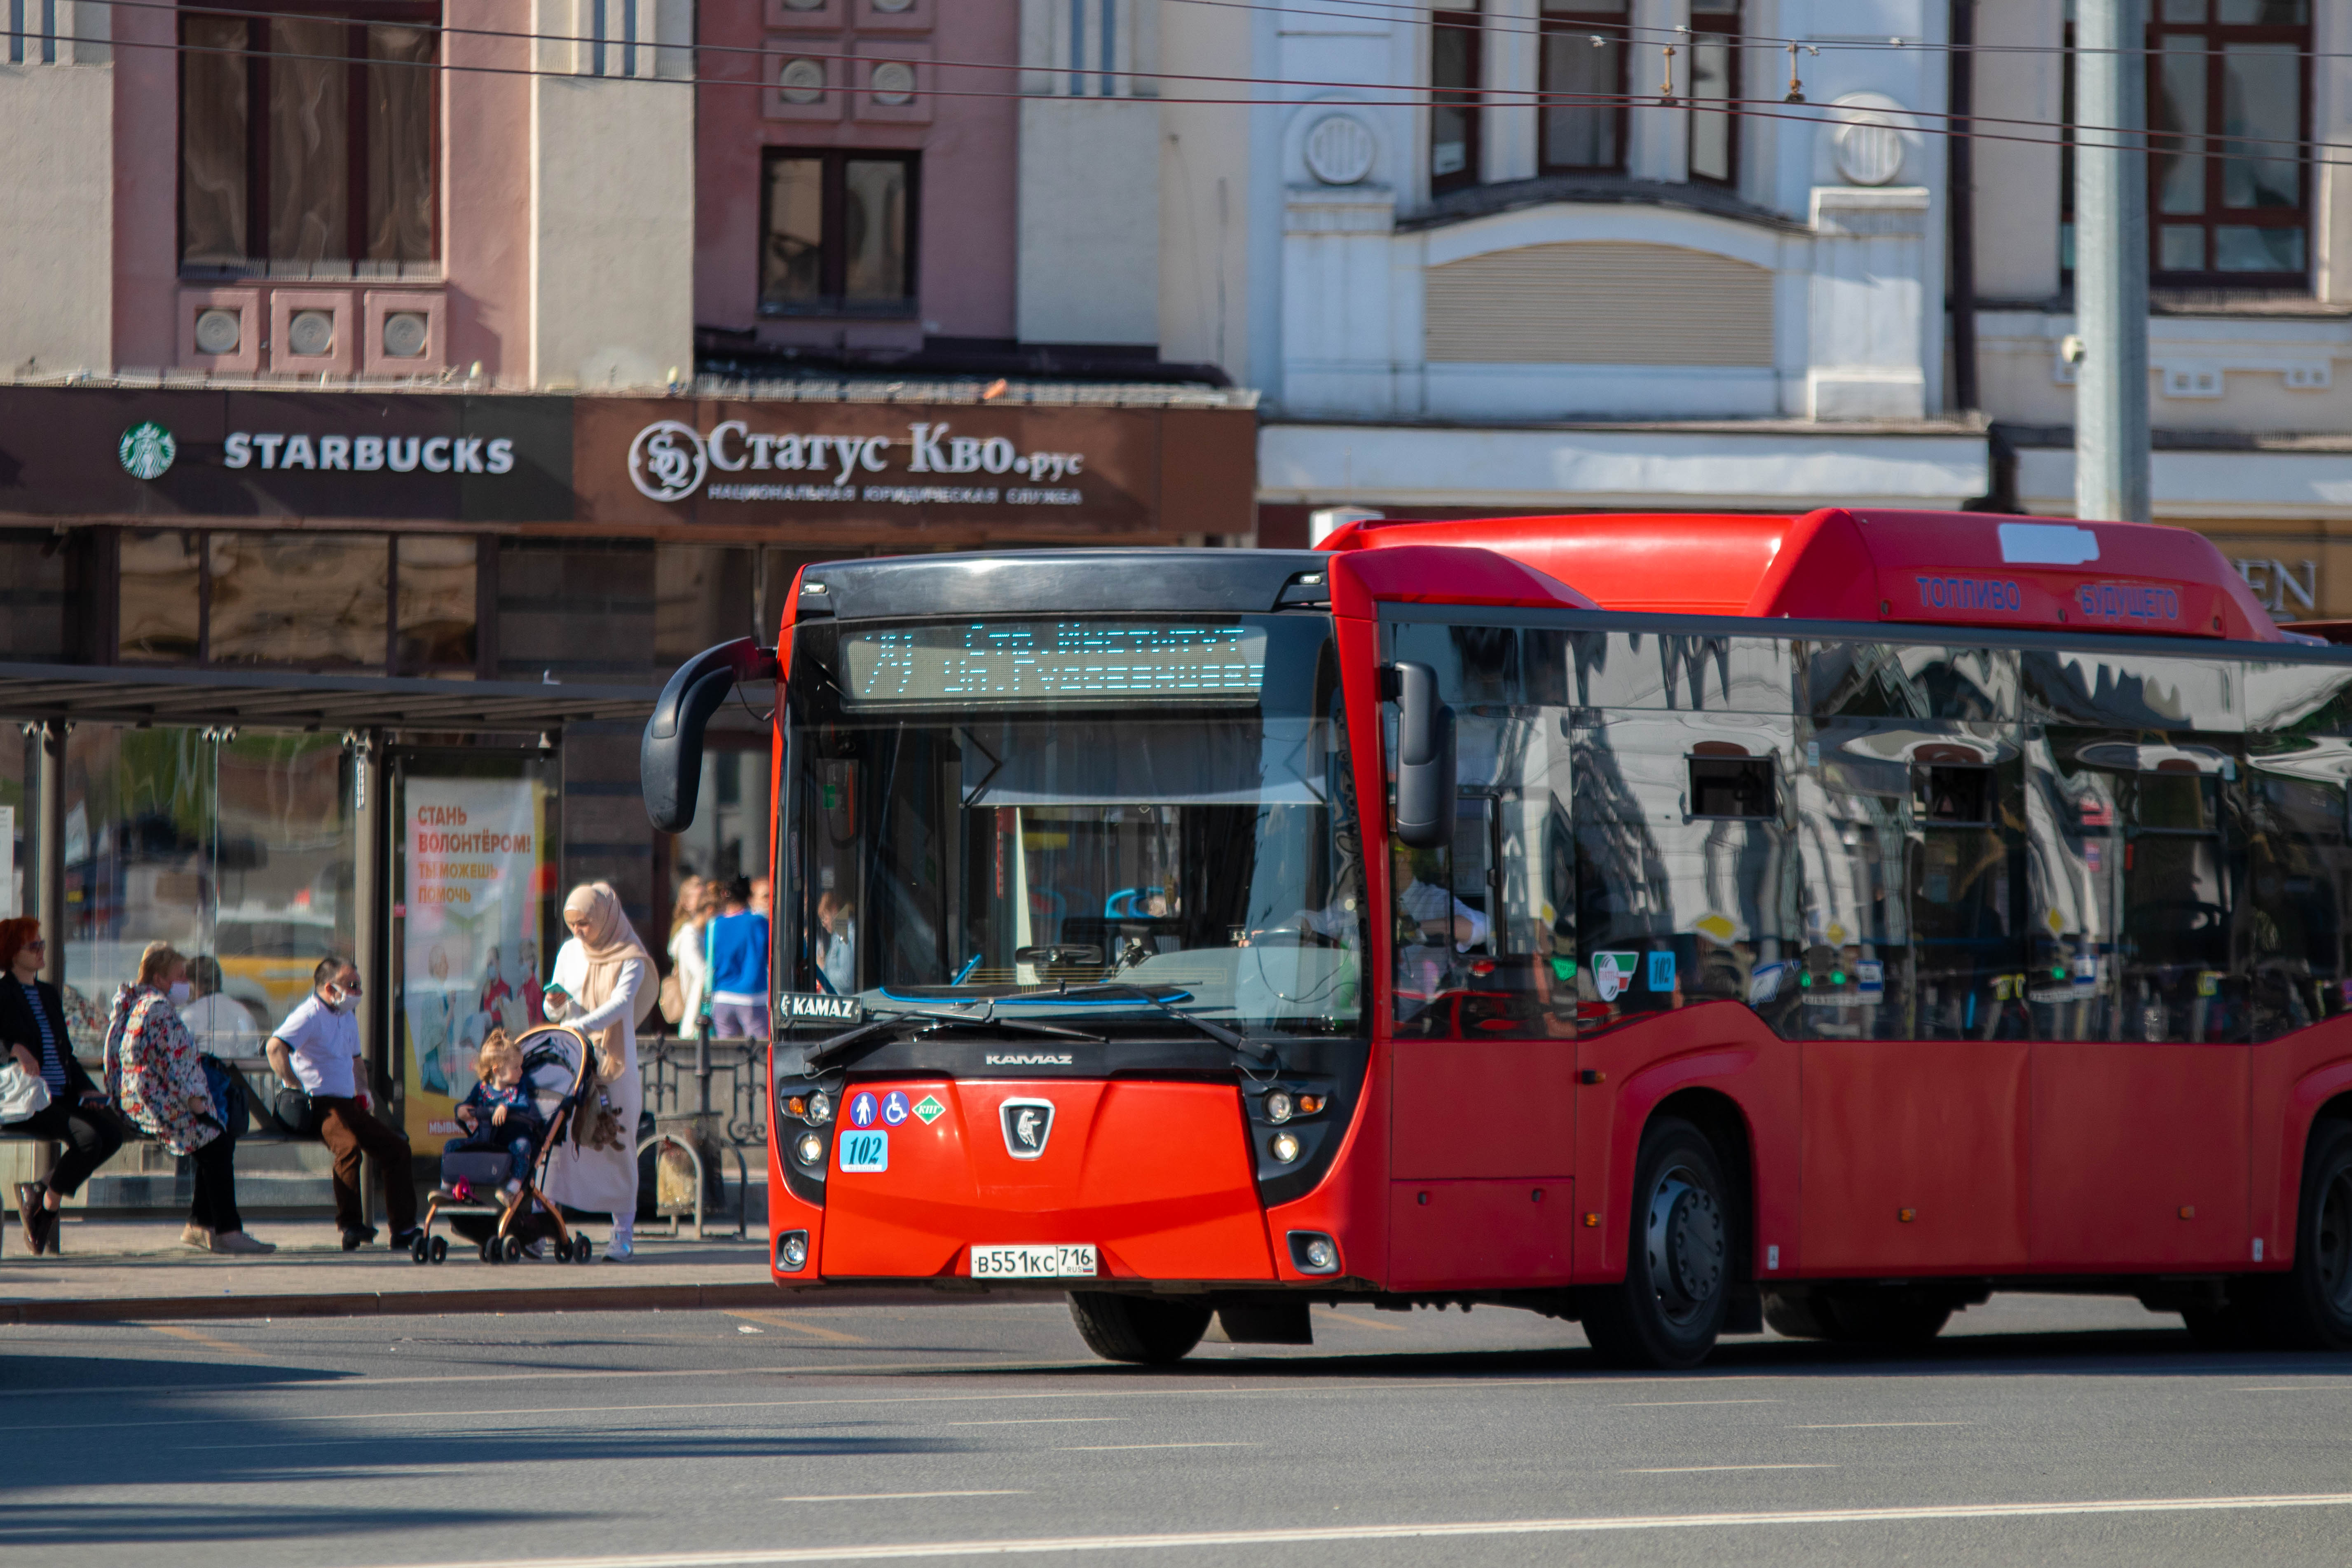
point(147, 451)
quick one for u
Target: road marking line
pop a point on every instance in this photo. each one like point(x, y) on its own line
point(1848, 1425)
point(2298, 1388)
point(1365, 1322)
point(1710, 1469)
point(759, 1557)
point(194, 1337)
point(894, 1497)
point(1130, 1447)
point(1038, 1421)
point(778, 1320)
point(1661, 1404)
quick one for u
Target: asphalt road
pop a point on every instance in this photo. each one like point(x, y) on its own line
point(2039, 1429)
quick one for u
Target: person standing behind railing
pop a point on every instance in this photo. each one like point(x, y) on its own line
point(738, 968)
point(687, 993)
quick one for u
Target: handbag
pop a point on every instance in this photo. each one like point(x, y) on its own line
point(22, 1094)
point(673, 999)
point(232, 1104)
point(292, 1110)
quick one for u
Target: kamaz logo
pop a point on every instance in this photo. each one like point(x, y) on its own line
point(1028, 1059)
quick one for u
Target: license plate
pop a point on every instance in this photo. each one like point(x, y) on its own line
point(865, 1151)
point(1033, 1263)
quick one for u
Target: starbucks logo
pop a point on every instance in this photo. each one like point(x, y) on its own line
point(147, 451)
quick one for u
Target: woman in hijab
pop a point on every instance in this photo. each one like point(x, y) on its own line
point(602, 987)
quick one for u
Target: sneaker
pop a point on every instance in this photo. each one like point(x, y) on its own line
point(405, 1240)
point(357, 1238)
point(619, 1250)
point(237, 1241)
point(197, 1237)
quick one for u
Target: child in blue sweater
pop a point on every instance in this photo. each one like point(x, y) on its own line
point(499, 1113)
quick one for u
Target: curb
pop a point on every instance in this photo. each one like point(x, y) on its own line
point(401, 1303)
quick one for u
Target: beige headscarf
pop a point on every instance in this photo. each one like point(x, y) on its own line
point(610, 942)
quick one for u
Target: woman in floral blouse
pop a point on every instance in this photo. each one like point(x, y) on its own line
point(158, 1078)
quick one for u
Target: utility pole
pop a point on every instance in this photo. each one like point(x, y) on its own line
point(2111, 260)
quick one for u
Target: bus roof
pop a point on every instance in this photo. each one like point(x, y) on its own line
point(1933, 568)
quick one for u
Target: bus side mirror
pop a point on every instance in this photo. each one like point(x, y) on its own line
point(1425, 786)
point(669, 759)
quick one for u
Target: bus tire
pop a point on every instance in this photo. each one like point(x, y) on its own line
point(1678, 1262)
point(2310, 1306)
point(1144, 1329)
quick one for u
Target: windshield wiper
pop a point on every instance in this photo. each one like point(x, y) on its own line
point(819, 1052)
point(1241, 1045)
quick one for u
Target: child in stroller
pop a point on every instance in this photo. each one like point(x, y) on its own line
point(499, 1113)
point(493, 1178)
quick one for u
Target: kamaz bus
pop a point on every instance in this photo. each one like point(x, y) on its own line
point(1669, 923)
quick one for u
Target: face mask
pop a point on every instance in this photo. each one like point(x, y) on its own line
point(179, 993)
point(338, 1000)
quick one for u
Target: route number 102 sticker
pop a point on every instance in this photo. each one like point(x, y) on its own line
point(865, 1151)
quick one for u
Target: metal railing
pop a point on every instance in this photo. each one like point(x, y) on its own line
point(724, 1078)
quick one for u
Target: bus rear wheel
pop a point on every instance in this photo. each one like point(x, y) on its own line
point(1144, 1329)
point(2310, 1307)
point(1678, 1266)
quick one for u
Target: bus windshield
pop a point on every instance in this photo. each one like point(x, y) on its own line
point(1075, 814)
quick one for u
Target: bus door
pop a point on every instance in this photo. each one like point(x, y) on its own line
point(1915, 1060)
point(1483, 1059)
point(2139, 999)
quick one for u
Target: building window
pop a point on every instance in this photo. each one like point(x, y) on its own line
point(1454, 100)
point(1584, 85)
point(302, 601)
point(838, 234)
point(2228, 90)
point(307, 143)
point(1714, 80)
point(2227, 193)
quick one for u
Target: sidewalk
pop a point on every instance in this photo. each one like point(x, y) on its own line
point(136, 1269)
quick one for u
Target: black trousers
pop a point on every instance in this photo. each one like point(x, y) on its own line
point(90, 1133)
point(214, 1168)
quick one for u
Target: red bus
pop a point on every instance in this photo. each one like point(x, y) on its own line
point(1671, 924)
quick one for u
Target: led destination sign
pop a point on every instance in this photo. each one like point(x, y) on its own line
point(1054, 661)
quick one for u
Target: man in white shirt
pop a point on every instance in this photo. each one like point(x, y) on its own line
point(220, 1024)
point(317, 1050)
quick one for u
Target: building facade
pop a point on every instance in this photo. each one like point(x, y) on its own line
point(393, 392)
point(2250, 274)
point(1528, 257)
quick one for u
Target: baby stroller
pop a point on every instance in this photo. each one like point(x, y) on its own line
point(555, 1060)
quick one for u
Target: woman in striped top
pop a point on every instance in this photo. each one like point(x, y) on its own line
point(33, 1029)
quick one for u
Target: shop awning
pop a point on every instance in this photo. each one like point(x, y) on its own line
point(100, 694)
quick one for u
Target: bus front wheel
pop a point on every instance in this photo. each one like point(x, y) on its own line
point(1143, 1329)
point(1678, 1266)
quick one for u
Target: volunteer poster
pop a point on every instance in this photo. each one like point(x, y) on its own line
point(471, 948)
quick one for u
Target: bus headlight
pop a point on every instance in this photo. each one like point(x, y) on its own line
point(1285, 1147)
point(791, 1252)
point(819, 1108)
point(809, 1149)
point(1279, 1106)
point(1313, 1252)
